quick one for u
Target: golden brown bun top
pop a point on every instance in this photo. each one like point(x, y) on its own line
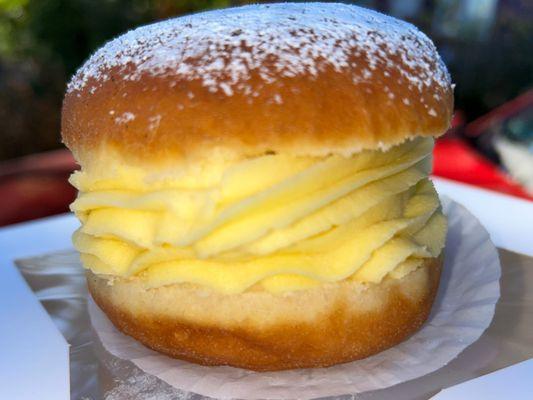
point(305, 79)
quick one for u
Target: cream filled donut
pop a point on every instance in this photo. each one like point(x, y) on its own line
point(254, 183)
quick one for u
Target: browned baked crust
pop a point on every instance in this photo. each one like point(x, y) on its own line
point(388, 84)
point(262, 331)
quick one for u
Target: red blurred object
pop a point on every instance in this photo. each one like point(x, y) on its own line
point(507, 110)
point(455, 159)
point(35, 186)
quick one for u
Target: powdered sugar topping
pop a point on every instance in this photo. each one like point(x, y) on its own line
point(222, 49)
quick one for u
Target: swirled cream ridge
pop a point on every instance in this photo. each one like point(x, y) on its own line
point(276, 222)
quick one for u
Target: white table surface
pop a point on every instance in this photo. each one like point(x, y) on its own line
point(34, 355)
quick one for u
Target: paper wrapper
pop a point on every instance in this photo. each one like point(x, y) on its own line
point(464, 308)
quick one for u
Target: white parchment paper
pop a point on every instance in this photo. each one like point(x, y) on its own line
point(464, 308)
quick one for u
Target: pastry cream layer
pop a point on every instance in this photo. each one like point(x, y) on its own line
point(277, 222)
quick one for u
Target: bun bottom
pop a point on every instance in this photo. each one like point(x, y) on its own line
point(263, 331)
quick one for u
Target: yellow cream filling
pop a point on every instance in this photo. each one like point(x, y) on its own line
point(277, 222)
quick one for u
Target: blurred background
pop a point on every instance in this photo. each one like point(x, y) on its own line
point(487, 45)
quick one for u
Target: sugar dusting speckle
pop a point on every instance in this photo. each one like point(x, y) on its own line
point(153, 122)
point(222, 49)
point(125, 118)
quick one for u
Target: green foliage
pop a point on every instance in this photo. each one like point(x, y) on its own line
point(8, 5)
point(69, 30)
